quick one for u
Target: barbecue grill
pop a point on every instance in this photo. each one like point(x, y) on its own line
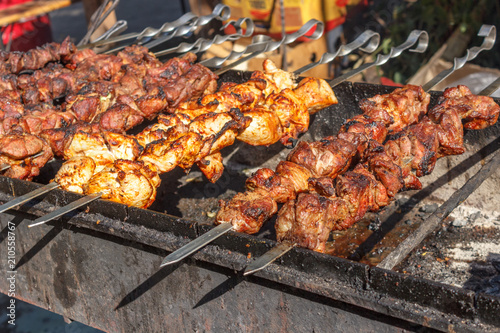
point(100, 265)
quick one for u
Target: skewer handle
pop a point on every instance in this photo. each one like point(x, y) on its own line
point(368, 42)
point(203, 44)
point(416, 36)
point(268, 257)
point(66, 209)
point(489, 32)
point(197, 244)
point(318, 27)
point(28, 196)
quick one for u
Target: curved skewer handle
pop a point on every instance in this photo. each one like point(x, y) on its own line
point(308, 27)
point(418, 37)
point(368, 42)
point(203, 44)
point(489, 32)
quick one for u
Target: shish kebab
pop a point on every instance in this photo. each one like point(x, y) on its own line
point(241, 215)
point(143, 89)
point(211, 107)
point(129, 117)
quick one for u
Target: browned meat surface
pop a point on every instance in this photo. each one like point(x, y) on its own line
point(308, 220)
point(477, 112)
point(403, 107)
point(247, 211)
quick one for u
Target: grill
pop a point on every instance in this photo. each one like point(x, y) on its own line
point(100, 265)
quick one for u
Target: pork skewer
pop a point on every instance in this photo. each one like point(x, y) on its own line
point(287, 244)
point(185, 251)
point(432, 222)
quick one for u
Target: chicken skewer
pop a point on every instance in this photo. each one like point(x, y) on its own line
point(223, 227)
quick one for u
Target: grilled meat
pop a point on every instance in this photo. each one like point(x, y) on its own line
point(335, 198)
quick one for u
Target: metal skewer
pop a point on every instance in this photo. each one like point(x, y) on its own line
point(220, 12)
point(187, 23)
point(290, 38)
point(203, 44)
point(432, 222)
point(5, 166)
point(98, 18)
point(367, 42)
point(263, 261)
point(28, 196)
point(117, 28)
point(66, 209)
point(416, 36)
point(201, 241)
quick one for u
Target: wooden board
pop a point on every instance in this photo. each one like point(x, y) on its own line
point(30, 9)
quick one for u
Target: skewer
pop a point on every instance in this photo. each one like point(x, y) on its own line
point(98, 18)
point(66, 209)
point(203, 44)
point(28, 196)
point(5, 166)
point(220, 12)
point(368, 42)
point(415, 36)
point(275, 253)
point(117, 28)
point(289, 38)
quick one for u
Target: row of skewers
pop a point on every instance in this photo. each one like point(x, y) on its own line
point(195, 131)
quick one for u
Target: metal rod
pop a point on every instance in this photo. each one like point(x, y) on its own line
point(66, 209)
point(220, 12)
point(203, 44)
point(197, 244)
point(98, 18)
point(259, 42)
point(419, 37)
point(269, 257)
point(489, 33)
point(491, 88)
point(5, 166)
point(368, 42)
point(318, 27)
point(117, 28)
point(28, 196)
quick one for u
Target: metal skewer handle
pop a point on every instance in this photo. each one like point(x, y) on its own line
point(419, 37)
point(98, 18)
point(117, 28)
point(186, 23)
point(28, 196)
point(259, 42)
point(489, 32)
point(318, 27)
point(220, 12)
point(367, 42)
point(203, 44)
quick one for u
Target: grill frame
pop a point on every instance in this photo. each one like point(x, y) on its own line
point(400, 300)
